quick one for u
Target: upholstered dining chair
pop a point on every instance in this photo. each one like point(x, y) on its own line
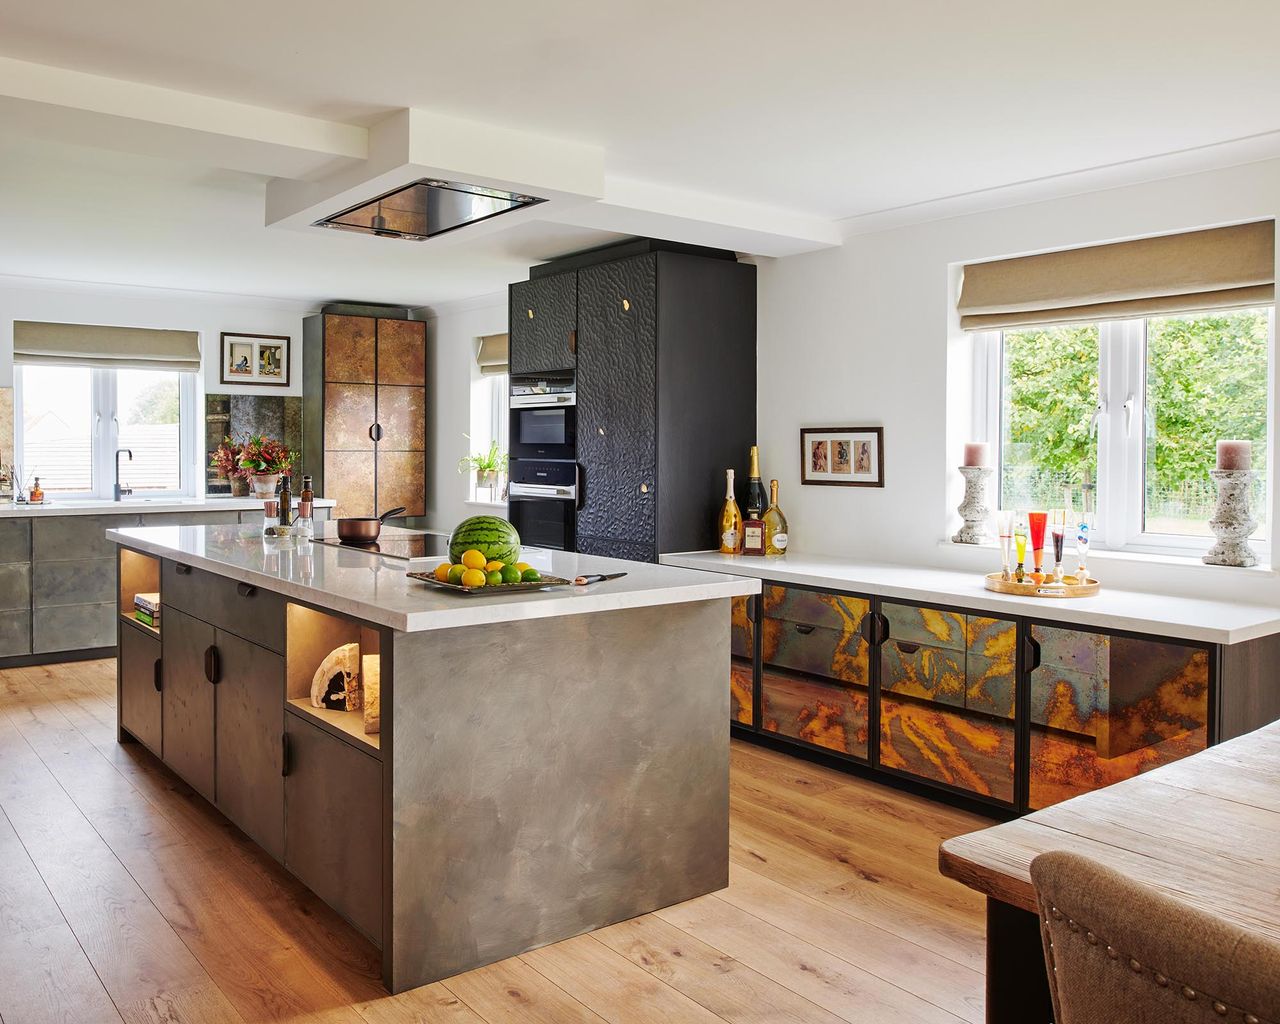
point(1119, 952)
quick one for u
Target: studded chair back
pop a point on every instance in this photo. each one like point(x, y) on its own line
point(1119, 951)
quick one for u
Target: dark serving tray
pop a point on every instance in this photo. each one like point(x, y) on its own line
point(546, 583)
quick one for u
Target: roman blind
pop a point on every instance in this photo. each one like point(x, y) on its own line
point(493, 354)
point(1217, 268)
point(135, 348)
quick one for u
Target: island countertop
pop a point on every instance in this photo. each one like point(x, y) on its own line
point(374, 587)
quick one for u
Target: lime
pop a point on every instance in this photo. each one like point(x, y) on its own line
point(474, 578)
point(456, 573)
point(493, 579)
point(473, 559)
point(511, 574)
point(530, 575)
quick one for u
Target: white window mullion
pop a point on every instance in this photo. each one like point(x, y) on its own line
point(107, 436)
point(1108, 498)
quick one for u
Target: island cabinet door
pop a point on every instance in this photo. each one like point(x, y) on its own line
point(250, 744)
point(187, 699)
point(543, 319)
point(138, 664)
point(333, 823)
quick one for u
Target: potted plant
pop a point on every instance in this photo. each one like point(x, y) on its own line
point(488, 466)
point(265, 460)
point(226, 460)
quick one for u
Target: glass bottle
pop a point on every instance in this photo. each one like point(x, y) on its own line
point(755, 487)
point(305, 521)
point(775, 524)
point(730, 520)
point(37, 492)
point(270, 517)
point(286, 502)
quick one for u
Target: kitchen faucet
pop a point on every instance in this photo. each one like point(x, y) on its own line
point(120, 492)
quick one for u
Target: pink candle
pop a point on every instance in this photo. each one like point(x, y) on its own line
point(1235, 454)
point(975, 453)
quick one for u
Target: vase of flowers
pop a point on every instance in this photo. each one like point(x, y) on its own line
point(264, 461)
point(488, 466)
point(226, 460)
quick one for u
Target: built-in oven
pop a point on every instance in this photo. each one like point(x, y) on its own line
point(542, 502)
point(544, 418)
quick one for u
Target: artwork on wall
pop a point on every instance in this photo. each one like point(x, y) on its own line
point(255, 359)
point(842, 456)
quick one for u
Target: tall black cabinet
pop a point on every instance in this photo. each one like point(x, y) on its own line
point(663, 343)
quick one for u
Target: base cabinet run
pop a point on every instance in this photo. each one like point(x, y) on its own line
point(1008, 712)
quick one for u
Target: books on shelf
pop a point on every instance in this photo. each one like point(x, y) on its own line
point(146, 609)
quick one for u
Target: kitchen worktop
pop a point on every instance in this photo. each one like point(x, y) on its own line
point(374, 588)
point(1189, 618)
point(138, 506)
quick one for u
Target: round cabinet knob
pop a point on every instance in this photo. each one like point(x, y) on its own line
point(626, 305)
point(530, 314)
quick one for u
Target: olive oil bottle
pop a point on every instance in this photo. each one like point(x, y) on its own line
point(775, 524)
point(730, 520)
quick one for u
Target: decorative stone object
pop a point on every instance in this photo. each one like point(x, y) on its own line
point(973, 509)
point(371, 687)
point(1232, 521)
point(336, 684)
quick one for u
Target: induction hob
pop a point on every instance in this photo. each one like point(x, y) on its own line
point(419, 545)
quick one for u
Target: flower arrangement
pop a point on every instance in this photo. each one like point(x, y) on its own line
point(264, 456)
point(226, 459)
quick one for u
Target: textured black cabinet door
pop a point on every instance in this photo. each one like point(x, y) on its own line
point(543, 317)
point(617, 400)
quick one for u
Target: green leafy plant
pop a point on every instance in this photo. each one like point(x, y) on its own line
point(265, 455)
point(492, 461)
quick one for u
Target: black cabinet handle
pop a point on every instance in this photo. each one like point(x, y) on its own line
point(246, 589)
point(284, 755)
point(874, 629)
point(158, 676)
point(573, 342)
point(375, 432)
point(1030, 653)
point(802, 629)
point(212, 667)
point(906, 647)
point(182, 570)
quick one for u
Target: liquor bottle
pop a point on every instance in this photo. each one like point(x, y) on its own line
point(286, 502)
point(753, 536)
point(755, 487)
point(775, 524)
point(306, 508)
point(730, 520)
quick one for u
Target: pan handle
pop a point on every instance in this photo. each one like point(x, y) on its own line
point(390, 513)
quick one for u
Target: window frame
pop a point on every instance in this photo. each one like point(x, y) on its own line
point(1120, 419)
point(490, 420)
point(104, 435)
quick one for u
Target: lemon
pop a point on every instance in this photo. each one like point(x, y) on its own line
point(523, 566)
point(531, 575)
point(494, 578)
point(442, 572)
point(511, 574)
point(455, 574)
point(493, 566)
point(473, 559)
point(474, 577)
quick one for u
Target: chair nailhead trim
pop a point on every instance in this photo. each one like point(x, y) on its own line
point(1113, 952)
point(1251, 1019)
point(1093, 939)
point(1220, 1009)
point(1188, 991)
point(1073, 925)
point(1162, 981)
point(1055, 913)
point(1137, 967)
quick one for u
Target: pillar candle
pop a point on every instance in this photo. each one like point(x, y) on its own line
point(1235, 454)
point(975, 453)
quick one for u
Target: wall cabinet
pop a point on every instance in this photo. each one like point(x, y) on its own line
point(542, 323)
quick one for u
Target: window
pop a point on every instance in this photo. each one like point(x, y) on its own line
point(71, 420)
point(1129, 411)
point(490, 422)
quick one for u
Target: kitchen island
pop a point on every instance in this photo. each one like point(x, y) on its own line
point(546, 763)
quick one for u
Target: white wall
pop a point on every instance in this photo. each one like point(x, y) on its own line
point(453, 334)
point(863, 335)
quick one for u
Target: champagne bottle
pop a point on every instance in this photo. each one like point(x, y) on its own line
point(755, 487)
point(775, 524)
point(730, 520)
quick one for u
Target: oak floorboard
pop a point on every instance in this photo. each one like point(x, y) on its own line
point(514, 993)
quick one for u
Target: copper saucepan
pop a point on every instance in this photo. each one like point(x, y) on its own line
point(364, 529)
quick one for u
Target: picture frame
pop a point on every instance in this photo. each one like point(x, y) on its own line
point(842, 456)
point(257, 359)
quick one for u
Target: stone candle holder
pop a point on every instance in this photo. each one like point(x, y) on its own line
point(1232, 521)
point(973, 509)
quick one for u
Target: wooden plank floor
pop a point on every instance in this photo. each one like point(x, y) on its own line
point(125, 897)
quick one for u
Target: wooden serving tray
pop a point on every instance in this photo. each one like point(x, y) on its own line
point(546, 583)
point(994, 581)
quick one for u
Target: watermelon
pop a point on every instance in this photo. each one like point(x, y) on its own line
point(492, 536)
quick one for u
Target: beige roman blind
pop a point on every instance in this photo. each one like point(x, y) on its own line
point(493, 354)
point(135, 348)
point(1218, 268)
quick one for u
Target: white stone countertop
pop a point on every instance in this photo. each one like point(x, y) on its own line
point(133, 506)
point(1186, 618)
point(374, 587)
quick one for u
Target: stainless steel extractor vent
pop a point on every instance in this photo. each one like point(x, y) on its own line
point(426, 208)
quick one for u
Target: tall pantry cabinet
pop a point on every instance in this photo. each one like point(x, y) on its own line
point(364, 411)
point(662, 338)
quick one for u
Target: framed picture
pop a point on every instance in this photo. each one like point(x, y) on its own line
point(255, 359)
point(842, 456)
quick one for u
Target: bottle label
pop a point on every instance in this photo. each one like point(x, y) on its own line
point(729, 539)
point(753, 539)
point(780, 541)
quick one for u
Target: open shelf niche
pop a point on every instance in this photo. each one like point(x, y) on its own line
point(310, 638)
point(139, 574)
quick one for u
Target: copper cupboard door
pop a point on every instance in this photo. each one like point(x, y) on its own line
point(402, 352)
point(402, 414)
point(401, 477)
point(348, 480)
point(349, 345)
point(350, 411)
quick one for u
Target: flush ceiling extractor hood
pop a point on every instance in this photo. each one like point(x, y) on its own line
point(426, 208)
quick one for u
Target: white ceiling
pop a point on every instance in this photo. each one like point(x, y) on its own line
point(829, 109)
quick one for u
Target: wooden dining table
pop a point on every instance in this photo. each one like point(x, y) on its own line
point(1204, 830)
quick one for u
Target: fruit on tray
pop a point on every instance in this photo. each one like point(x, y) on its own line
point(474, 578)
point(493, 537)
point(469, 573)
point(530, 575)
